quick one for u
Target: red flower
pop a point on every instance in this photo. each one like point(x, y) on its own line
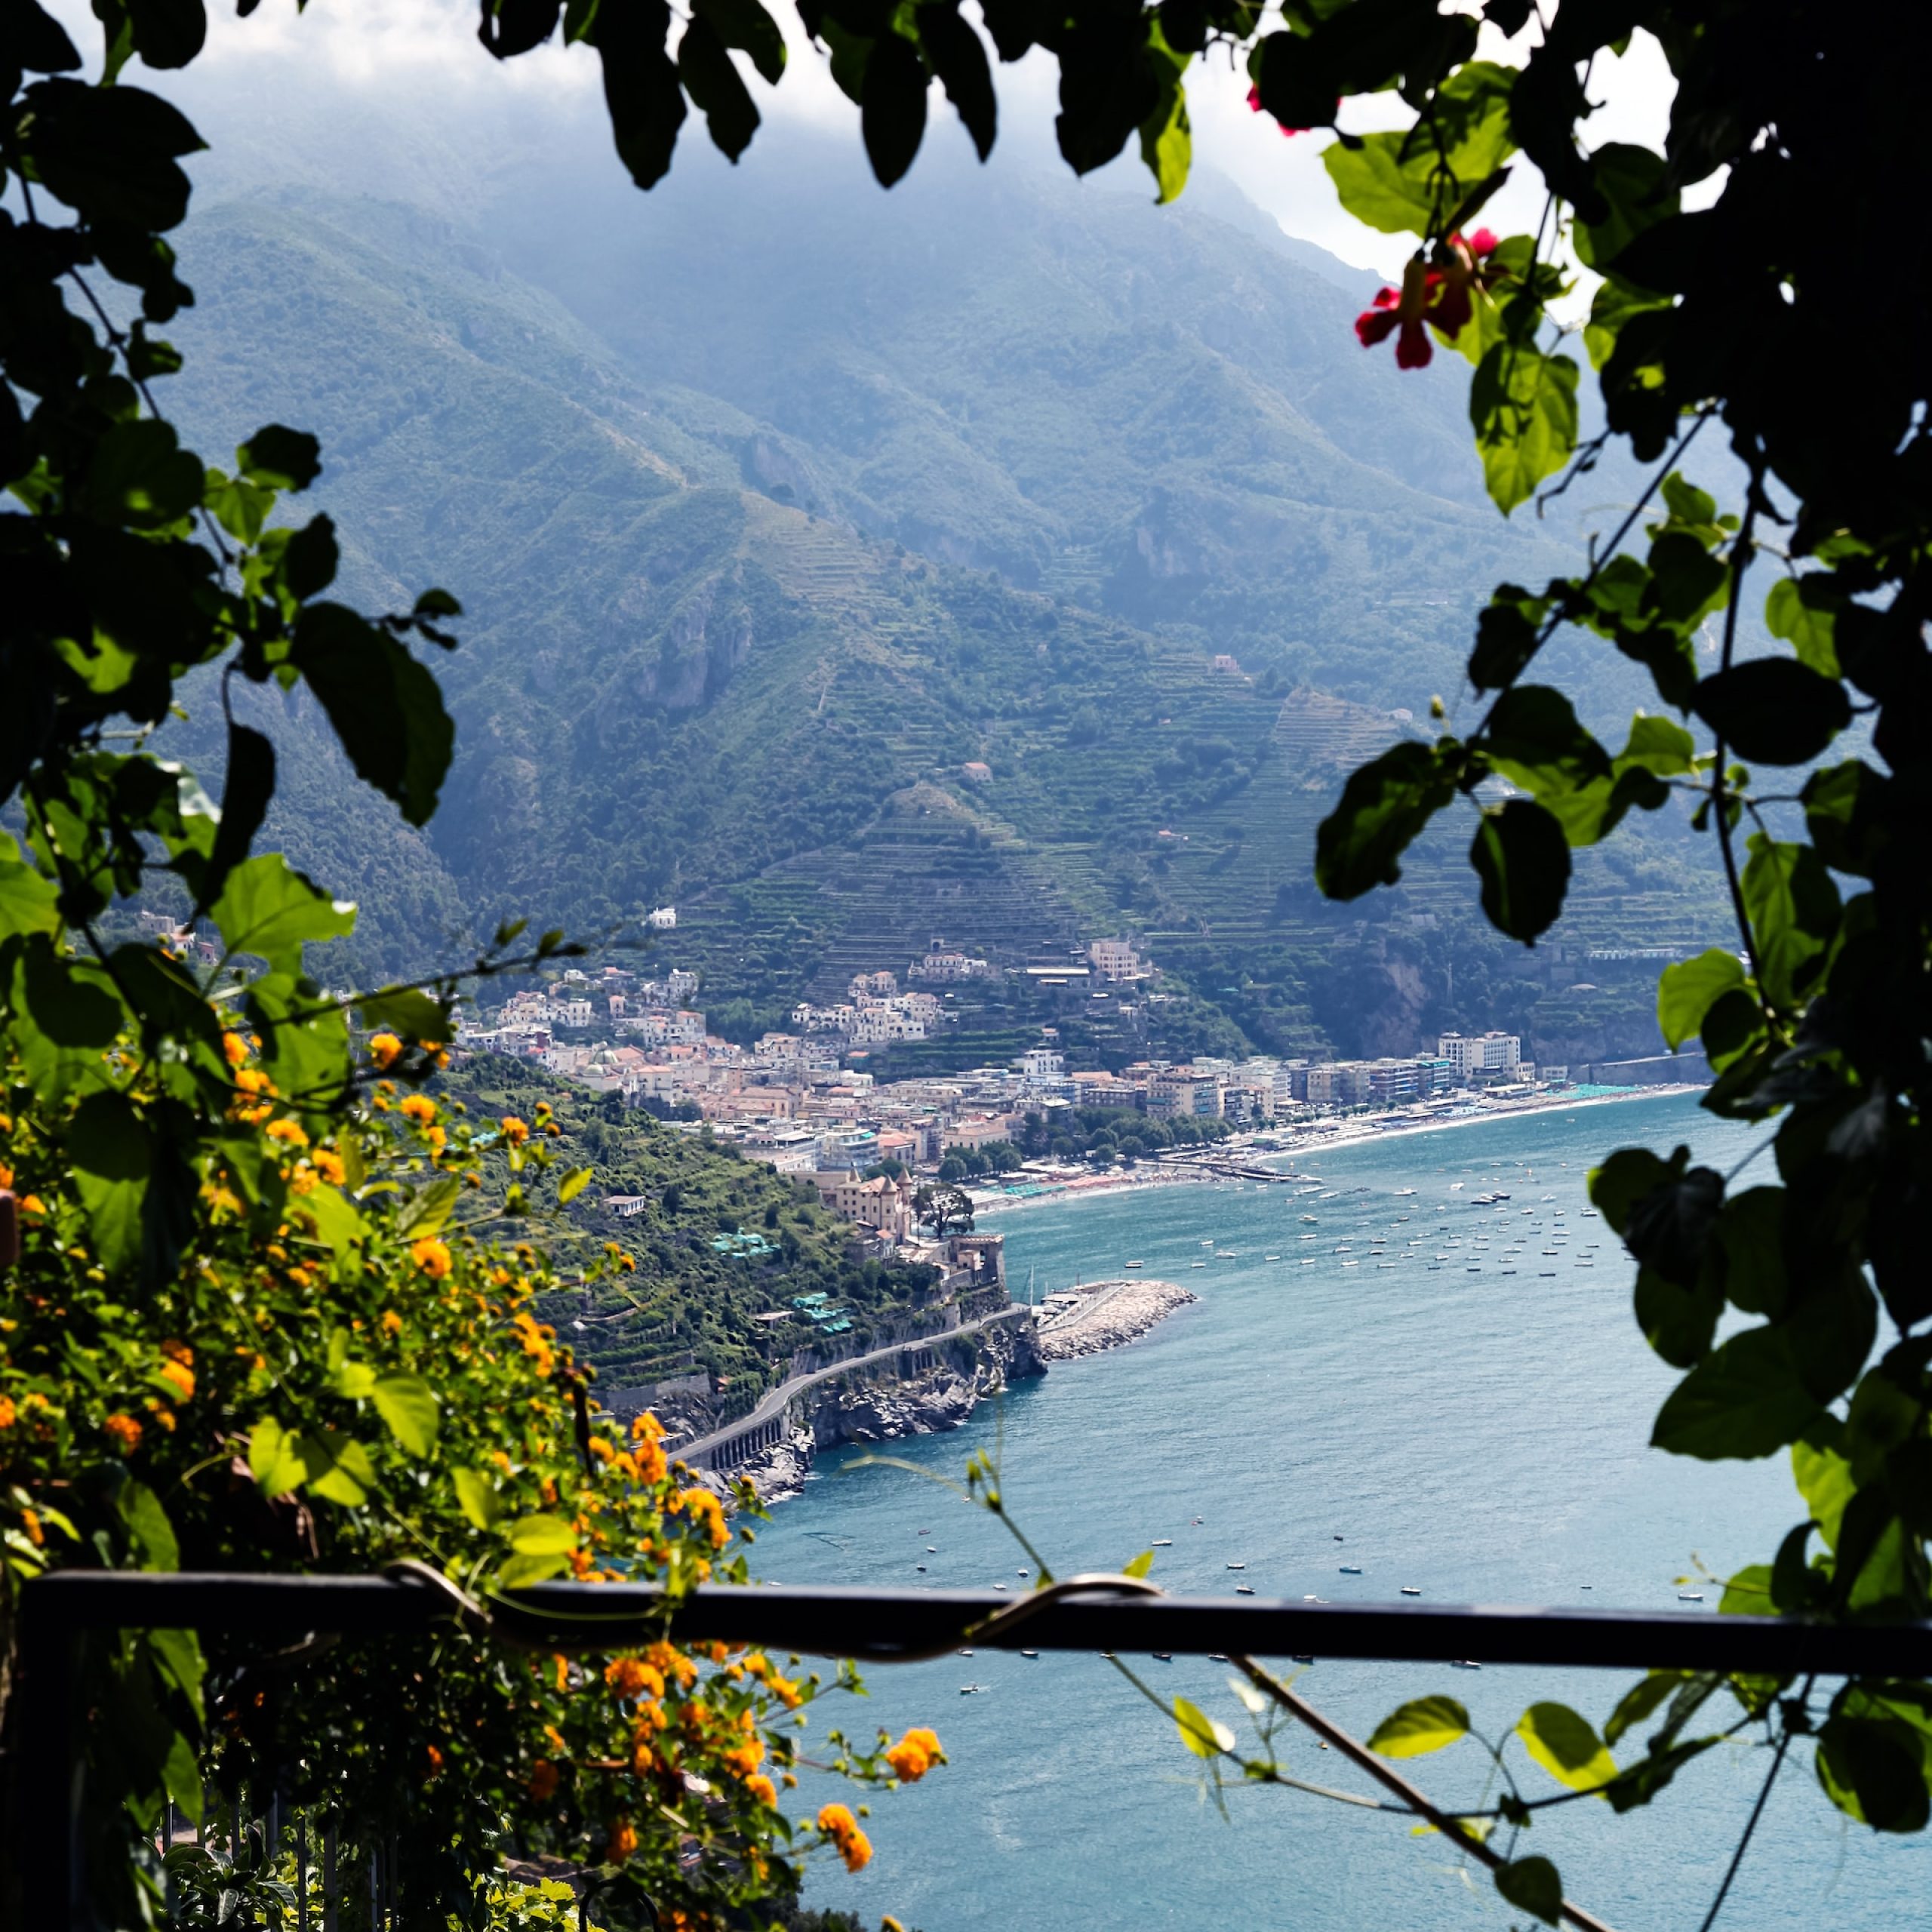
point(1441, 294)
point(1401, 309)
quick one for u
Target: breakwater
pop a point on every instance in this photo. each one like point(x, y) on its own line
point(1105, 1314)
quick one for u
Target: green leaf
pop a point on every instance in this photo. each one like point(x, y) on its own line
point(1773, 710)
point(1532, 1885)
point(477, 1494)
point(267, 908)
point(29, 903)
point(338, 1468)
point(355, 1381)
point(1748, 1397)
point(960, 61)
point(181, 1771)
point(280, 459)
point(149, 1530)
point(1613, 305)
point(1751, 1232)
point(1824, 1480)
point(177, 1656)
point(386, 709)
point(572, 1185)
point(108, 1147)
point(275, 1459)
point(1523, 404)
point(1422, 1725)
point(1748, 1592)
point(1636, 187)
point(339, 1224)
point(641, 90)
point(409, 1405)
point(1687, 990)
point(1522, 857)
point(167, 33)
point(1167, 136)
point(1678, 1321)
point(414, 1016)
point(1659, 745)
point(1640, 1700)
point(1205, 1737)
point(1141, 1565)
point(429, 1209)
point(1402, 182)
point(1874, 1768)
point(520, 1570)
point(1794, 911)
point(745, 24)
point(1803, 610)
point(1566, 1746)
point(247, 785)
point(892, 117)
point(715, 88)
point(542, 1536)
point(1628, 1177)
point(1384, 806)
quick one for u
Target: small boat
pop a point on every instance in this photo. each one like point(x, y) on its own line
point(921, 1568)
point(1237, 1566)
point(1341, 1539)
point(1402, 1193)
point(1301, 1659)
point(1464, 1663)
point(1351, 1569)
point(1023, 1572)
point(1310, 1219)
point(1271, 1257)
point(1217, 1656)
point(1133, 1264)
point(1243, 1589)
point(1690, 1596)
point(1207, 1244)
point(968, 1690)
point(1164, 1543)
point(965, 1653)
point(1197, 1519)
point(1411, 1590)
point(1029, 1653)
point(1197, 1264)
point(999, 1586)
point(1163, 1657)
point(932, 1549)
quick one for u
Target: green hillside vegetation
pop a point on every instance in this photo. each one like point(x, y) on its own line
point(722, 1239)
point(742, 605)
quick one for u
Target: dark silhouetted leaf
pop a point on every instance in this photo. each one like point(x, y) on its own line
point(1773, 710)
point(1522, 857)
point(1384, 805)
point(893, 116)
point(1532, 1885)
point(1747, 1398)
point(715, 87)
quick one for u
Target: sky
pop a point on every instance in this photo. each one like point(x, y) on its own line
point(383, 49)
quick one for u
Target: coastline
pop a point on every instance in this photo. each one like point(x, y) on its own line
point(1350, 1133)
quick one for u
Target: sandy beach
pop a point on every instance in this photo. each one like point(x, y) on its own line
point(1060, 1186)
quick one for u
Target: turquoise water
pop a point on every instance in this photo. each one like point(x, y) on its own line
point(1477, 1433)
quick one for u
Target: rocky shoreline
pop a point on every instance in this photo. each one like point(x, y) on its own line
point(889, 1411)
point(1107, 1314)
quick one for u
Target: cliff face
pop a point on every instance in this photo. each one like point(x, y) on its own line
point(941, 1398)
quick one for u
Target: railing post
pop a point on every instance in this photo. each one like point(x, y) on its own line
point(46, 1801)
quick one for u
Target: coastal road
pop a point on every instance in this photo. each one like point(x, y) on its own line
point(773, 1404)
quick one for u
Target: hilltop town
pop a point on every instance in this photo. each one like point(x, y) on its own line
point(803, 1102)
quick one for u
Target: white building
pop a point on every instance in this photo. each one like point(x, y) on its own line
point(1115, 961)
point(1481, 1056)
point(663, 919)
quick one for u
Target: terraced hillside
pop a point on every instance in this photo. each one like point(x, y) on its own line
point(1111, 510)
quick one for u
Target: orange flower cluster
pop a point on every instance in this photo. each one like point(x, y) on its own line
point(537, 1338)
point(515, 1131)
point(632, 1678)
point(704, 1508)
point(837, 1823)
point(914, 1754)
point(431, 1256)
point(385, 1050)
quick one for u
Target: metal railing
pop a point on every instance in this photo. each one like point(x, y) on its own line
point(881, 1626)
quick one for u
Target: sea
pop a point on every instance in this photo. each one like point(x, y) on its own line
point(1381, 1372)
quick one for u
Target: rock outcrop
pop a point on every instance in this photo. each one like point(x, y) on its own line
point(1107, 1314)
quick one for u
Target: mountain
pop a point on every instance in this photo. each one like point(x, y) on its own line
point(773, 512)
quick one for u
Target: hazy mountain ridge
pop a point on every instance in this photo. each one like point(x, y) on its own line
point(717, 636)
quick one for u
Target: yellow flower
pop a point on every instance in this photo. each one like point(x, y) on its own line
point(385, 1050)
point(181, 1379)
point(914, 1754)
point(330, 1167)
point(418, 1107)
point(431, 1256)
point(392, 1324)
point(515, 1131)
point(234, 1048)
point(705, 1509)
point(761, 1788)
point(623, 1840)
point(286, 1130)
point(837, 1822)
